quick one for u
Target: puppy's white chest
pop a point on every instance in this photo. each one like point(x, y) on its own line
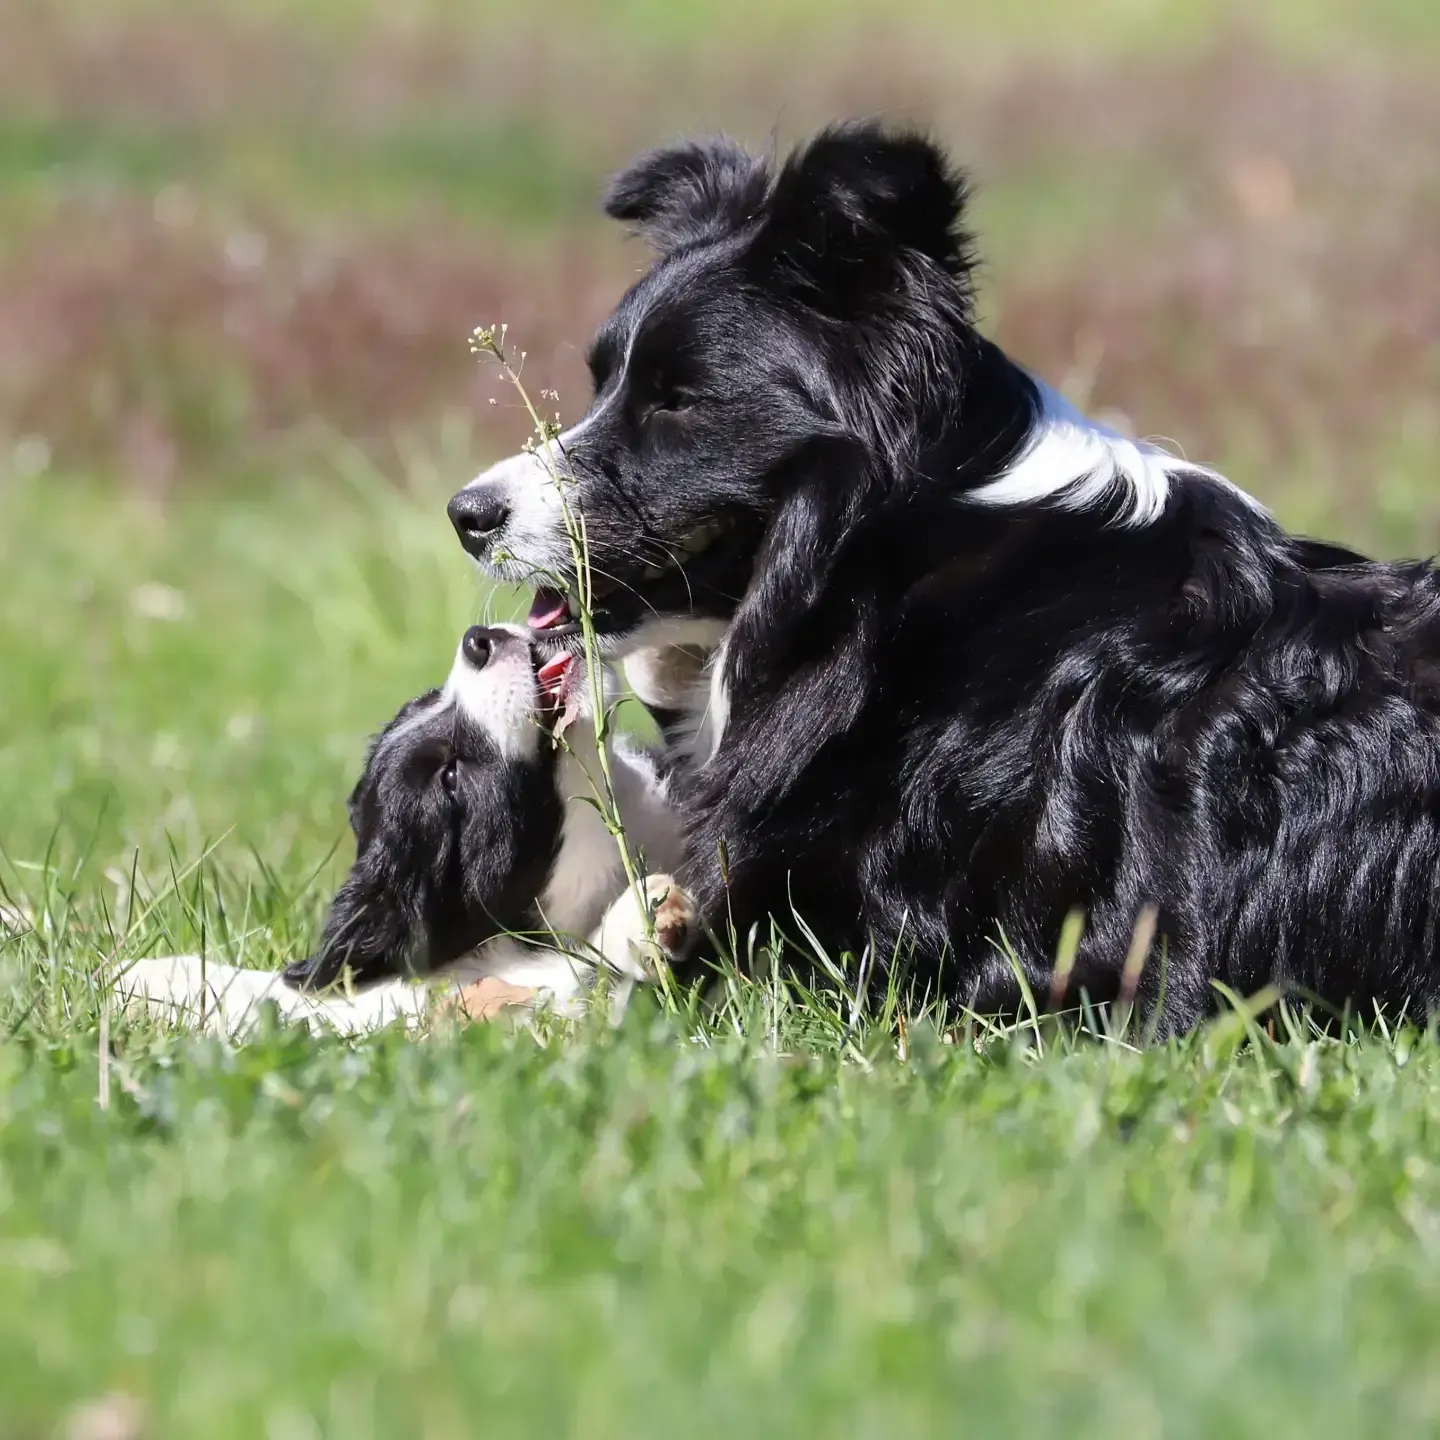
point(588, 870)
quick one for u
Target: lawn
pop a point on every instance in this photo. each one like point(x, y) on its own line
point(234, 395)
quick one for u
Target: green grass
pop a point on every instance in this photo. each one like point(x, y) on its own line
point(763, 1221)
point(634, 1235)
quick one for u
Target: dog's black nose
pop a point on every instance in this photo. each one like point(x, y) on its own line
point(477, 645)
point(477, 514)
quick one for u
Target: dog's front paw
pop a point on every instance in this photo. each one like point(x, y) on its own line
point(302, 974)
point(642, 932)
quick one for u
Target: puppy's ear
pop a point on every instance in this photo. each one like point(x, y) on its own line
point(362, 797)
point(684, 193)
point(370, 930)
point(856, 205)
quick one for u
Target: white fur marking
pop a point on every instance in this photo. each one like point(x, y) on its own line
point(561, 979)
point(229, 1000)
point(587, 871)
point(534, 542)
point(659, 632)
point(501, 698)
point(1078, 463)
point(419, 717)
point(717, 711)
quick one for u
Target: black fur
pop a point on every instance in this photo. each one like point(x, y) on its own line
point(949, 722)
point(453, 843)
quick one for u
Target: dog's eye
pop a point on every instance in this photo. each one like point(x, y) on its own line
point(601, 361)
point(450, 778)
point(672, 402)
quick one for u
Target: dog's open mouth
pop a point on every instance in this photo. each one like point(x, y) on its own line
point(706, 571)
point(553, 679)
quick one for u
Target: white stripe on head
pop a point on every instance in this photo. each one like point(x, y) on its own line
point(534, 486)
point(502, 697)
point(1077, 463)
point(417, 717)
point(533, 543)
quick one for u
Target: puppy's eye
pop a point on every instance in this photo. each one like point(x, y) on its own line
point(450, 778)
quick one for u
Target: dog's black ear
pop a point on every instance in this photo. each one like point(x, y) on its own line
point(684, 193)
point(363, 796)
point(354, 804)
point(369, 931)
point(849, 209)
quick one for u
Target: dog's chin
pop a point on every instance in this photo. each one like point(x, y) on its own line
point(620, 633)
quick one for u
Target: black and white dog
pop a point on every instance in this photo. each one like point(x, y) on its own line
point(483, 863)
point(978, 660)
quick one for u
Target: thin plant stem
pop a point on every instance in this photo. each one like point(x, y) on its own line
point(489, 342)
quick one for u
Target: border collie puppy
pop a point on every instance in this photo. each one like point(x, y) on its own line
point(481, 861)
point(980, 661)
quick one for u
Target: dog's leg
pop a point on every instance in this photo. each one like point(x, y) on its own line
point(229, 999)
point(666, 681)
point(624, 941)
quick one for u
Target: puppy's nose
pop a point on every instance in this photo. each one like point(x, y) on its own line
point(478, 514)
point(477, 645)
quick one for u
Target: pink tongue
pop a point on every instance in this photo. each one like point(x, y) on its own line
point(547, 610)
point(551, 675)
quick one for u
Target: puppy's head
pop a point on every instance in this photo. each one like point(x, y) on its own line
point(457, 817)
point(794, 314)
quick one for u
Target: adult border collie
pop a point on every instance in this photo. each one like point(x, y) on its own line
point(980, 660)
